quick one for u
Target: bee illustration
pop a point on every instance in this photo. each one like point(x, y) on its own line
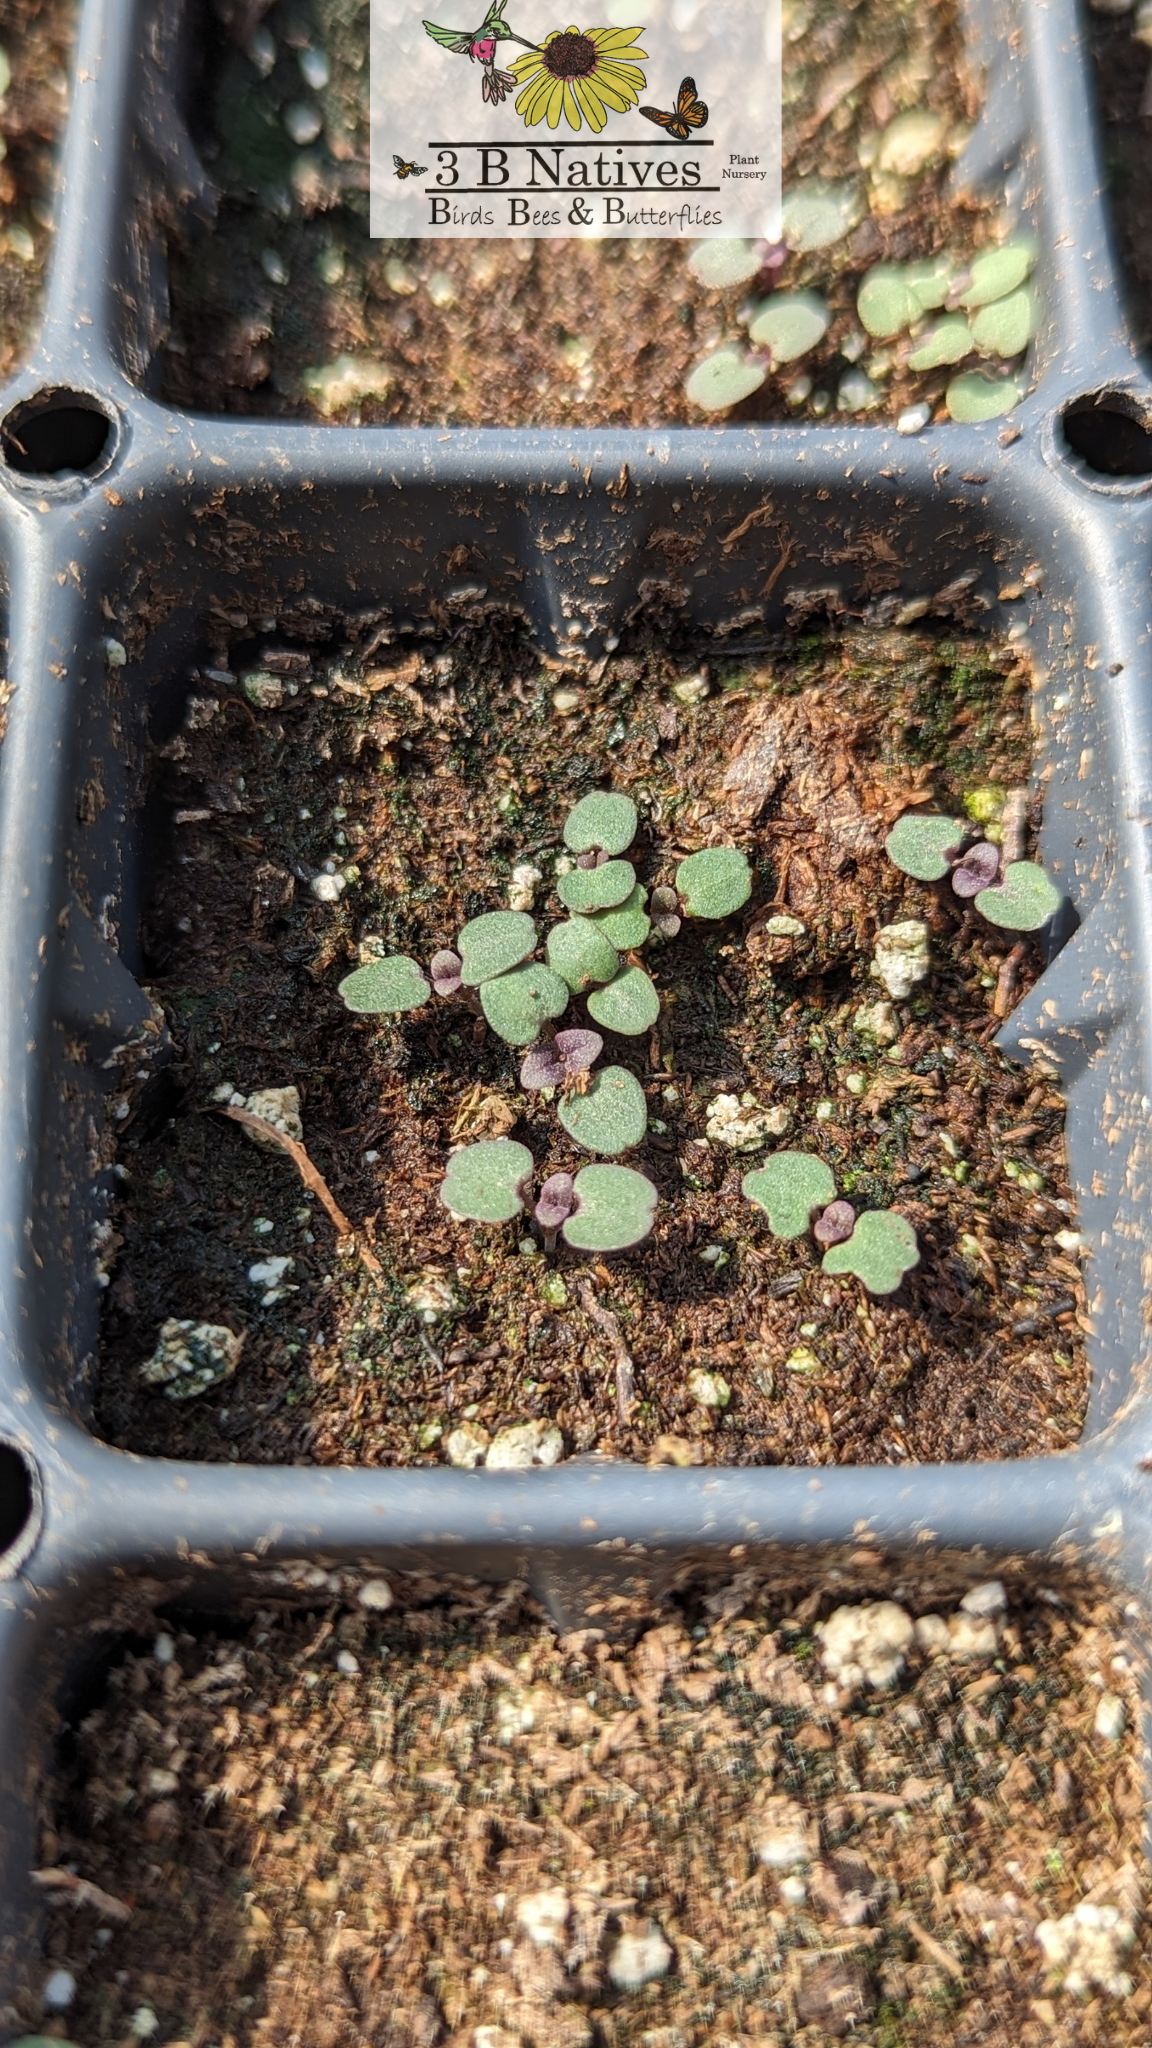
point(690, 112)
point(404, 170)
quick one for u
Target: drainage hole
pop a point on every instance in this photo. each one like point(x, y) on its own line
point(58, 433)
point(1107, 433)
point(16, 1498)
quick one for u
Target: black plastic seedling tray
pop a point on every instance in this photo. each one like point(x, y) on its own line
point(114, 507)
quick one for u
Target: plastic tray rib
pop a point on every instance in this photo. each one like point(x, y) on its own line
point(176, 510)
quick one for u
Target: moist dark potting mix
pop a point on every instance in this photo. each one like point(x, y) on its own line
point(297, 1289)
point(35, 46)
point(893, 1819)
point(895, 291)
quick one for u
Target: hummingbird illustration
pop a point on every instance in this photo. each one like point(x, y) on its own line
point(479, 46)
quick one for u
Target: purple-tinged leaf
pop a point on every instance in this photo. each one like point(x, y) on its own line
point(591, 859)
point(555, 1202)
point(578, 1049)
point(543, 1066)
point(445, 969)
point(836, 1225)
point(978, 869)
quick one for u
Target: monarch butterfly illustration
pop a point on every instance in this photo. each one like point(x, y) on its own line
point(404, 170)
point(690, 112)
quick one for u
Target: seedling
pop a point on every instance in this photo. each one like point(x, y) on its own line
point(714, 883)
point(924, 846)
point(580, 954)
point(789, 324)
point(599, 888)
point(723, 263)
point(445, 969)
point(488, 1182)
point(604, 822)
point(518, 1003)
point(1005, 328)
point(836, 1225)
point(554, 1205)
point(666, 912)
point(886, 303)
point(996, 272)
point(789, 1188)
point(385, 986)
point(611, 1116)
point(949, 341)
point(628, 924)
point(492, 944)
point(881, 1249)
point(972, 398)
point(978, 869)
point(560, 1062)
point(1024, 900)
point(723, 379)
point(613, 1209)
point(628, 1003)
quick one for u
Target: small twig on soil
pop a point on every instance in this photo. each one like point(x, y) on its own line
point(1006, 980)
point(77, 1891)
point(606, 1321)
point(311, 1177)
point(787, 550)
point(934, 1949)
point(1013, 826)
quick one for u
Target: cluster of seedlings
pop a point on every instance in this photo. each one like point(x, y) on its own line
point(290, 307)
point(920, 317)
point(594, 956)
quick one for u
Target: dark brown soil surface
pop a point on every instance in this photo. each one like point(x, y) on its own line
point(520, 332)
point(433, 775)
point(37, 38)
point(326, 1826)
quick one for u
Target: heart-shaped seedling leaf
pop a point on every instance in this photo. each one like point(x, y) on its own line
point(948, 341)
point(611, 1117)
point(972, 398)
point(516, 1004)
point(560, 1059)
point(724, 262)
point(885, 302)
point(488, 1182)
point(615, 1209)
point(714, 883)
point(555, 1202)
point(881, 1249)
point(393, 984)
point(628, 1003)
point(789, 1187)
point(996, 272)
point(978, 869)
point(666, 912)
point(629, 924)
point(929, 280)
point(493, 943)
point(816, 215)
point(920, 845)
point(578, 951)
point(723, 379)
point(836, 1225)
point(444, 967)
point(789, 324)
point(604, 822)
point(1024, 901)
point(602, 888)
point(1006, 326)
